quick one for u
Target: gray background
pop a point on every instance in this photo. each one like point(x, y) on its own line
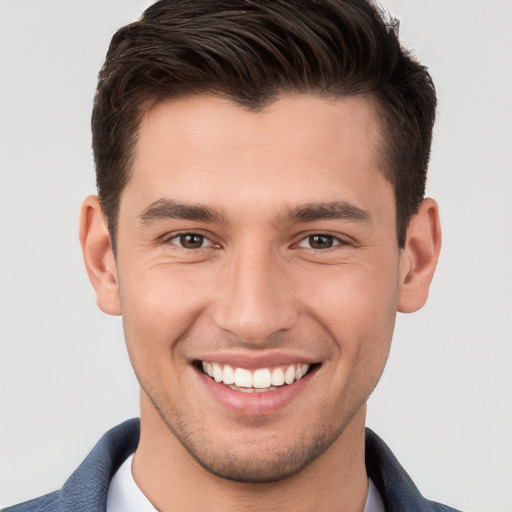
point(444, 404)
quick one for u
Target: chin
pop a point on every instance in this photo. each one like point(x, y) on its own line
point(261, 459)
point(259, 465)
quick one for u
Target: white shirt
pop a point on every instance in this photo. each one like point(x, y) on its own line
point(124, 495)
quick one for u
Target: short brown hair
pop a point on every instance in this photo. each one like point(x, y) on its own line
point(250, 51)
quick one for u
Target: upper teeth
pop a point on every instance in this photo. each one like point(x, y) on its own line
point(261, 378)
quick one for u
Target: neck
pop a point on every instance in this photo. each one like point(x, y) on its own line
point(174, 481)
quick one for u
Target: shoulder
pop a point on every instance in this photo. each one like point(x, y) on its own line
point(438, 507)
point(46, 503)
point(398, 491)
point(86, 489)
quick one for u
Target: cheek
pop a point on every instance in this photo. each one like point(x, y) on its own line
point(356, 304)
point(158, 309)
point(360, 318)
point(360, 297)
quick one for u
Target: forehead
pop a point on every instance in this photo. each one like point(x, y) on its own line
point(304, 120)
point(302, 147)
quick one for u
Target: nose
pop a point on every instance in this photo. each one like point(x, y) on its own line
point(254, 297)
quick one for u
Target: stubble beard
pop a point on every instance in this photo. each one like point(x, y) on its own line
point(246, 464)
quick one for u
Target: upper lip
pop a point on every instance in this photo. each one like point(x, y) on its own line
point(255, 361)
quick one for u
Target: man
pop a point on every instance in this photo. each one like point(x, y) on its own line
point(261, 217)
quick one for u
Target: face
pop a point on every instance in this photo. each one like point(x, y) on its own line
point(258, 273)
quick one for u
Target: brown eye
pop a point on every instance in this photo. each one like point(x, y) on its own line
point(321, 241)
point(191, 241)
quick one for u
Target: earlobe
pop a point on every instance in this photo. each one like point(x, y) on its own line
point(419, 257)
point(98, 256)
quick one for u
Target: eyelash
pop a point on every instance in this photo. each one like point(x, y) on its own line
point(178, 239)
point(334, 241)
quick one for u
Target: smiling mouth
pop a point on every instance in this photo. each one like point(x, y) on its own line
point(255, 381)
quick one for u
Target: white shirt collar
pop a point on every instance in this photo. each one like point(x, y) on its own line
point(374, 501)
point(124, 495)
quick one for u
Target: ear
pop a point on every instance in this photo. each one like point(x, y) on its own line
point(98, 256)
point(418, 258)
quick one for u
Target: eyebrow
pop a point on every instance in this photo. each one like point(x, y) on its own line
point(310, 212)
point(171, 209)
point(334, 210)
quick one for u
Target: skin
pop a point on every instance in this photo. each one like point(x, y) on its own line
point(258, 289)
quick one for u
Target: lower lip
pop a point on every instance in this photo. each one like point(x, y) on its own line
point(253, 404)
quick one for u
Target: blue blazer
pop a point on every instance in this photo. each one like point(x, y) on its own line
point(86, 489)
